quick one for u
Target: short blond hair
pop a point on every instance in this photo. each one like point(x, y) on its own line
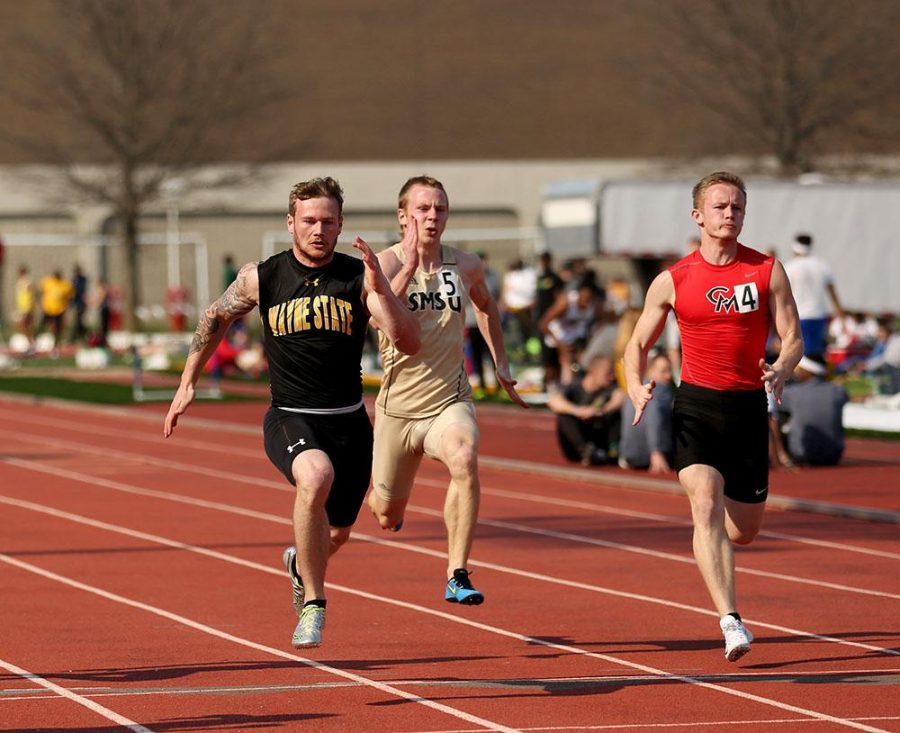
point(418, 181)
point(711, 180)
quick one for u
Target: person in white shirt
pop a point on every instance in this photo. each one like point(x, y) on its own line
point(517, 298)
point(813, 285)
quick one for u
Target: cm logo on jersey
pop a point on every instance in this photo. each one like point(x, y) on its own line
point(743, 299)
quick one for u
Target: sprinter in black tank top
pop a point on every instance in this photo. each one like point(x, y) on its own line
point(315, 305)
point(314, 326)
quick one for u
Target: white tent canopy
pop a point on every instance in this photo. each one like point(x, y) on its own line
point(855, 228)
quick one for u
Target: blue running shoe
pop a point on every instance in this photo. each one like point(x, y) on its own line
point(460, 590)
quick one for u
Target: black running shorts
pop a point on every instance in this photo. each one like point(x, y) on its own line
point(727, 430)
point(345, 438)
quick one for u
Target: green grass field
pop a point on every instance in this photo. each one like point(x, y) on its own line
point(67, 389)
point(101, 393)
point(110, 393)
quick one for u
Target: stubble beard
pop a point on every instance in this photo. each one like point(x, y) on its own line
point(314, 256)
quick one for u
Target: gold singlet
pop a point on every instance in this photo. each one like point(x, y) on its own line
point(426, 383)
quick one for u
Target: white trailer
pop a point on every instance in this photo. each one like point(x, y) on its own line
point(855, 226)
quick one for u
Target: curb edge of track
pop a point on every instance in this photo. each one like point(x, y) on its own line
point(667, 486)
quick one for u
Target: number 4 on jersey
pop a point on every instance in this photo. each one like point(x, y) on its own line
point(747, 297)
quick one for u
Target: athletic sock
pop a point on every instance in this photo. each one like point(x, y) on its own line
point(735, 615)
point(318, 602)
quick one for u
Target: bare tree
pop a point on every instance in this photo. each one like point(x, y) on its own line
point(788, 78)
point(142, 91)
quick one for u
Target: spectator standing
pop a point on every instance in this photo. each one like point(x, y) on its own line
point(2, 278)
point(815, 407)
point(229, 271)
point(517, 298)
point(812, 283)
point(25, 304)
point(649, 443)
point(588, 414)
point(548, 287)
point(79, 303)
point(56, 293)
point(102, 302)
point(478, 348)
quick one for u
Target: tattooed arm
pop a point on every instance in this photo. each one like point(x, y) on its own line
point(241, 297)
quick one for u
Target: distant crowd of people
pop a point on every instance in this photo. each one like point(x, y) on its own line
point(576, 329)
point(55, 299)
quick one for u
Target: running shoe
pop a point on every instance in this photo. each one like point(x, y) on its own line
point(289, 558)
point(460, 590)
point(309, 628)
point(737, 638)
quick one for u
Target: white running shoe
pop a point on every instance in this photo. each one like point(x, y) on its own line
point(309, 628)
point(737, 638)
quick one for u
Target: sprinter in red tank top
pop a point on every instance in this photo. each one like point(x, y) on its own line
point(725, 297)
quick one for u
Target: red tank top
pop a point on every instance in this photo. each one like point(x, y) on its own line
point(723, 315)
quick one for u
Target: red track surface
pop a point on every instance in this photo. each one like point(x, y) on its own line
point(142, 589)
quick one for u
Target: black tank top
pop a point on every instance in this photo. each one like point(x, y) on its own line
point(314, 327)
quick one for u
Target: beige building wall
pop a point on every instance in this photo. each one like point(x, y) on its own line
point(495, 207)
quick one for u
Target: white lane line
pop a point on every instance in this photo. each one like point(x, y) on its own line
point(392, 544)
point(102, 711)
point(409, 547)
point(664, 518)
point(205, 445)
point(665, 555)
point(522, 496)
point(281, 486)
point(401, 604)
point(871, 676)
point(218, 448)
point(691, 725)
point(224, 635)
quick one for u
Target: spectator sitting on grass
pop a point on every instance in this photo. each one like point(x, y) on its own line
point(648, 445)
point(815, 431)
point(236, 353)
point(588, 414)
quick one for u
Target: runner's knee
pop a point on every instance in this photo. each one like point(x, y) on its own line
point(313, 478)
point(339, 537)
point(461, 457)
point(389, 513)
point(740, 537)
point(743, 532)
point(744, 521)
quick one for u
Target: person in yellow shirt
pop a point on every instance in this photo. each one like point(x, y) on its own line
point(25, 303)
point(56, 292)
